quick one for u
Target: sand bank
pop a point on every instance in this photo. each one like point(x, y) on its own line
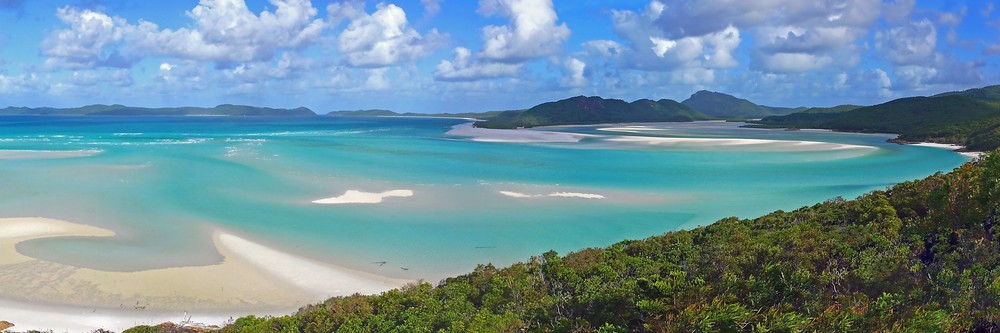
point(252, 278)
point(45, 154)
point(780, 145)
point(359, 197)
point(553, 194)
point(507, 135)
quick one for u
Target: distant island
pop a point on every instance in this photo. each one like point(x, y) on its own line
point(582, 110)
point(122, 110)
point(970, 118)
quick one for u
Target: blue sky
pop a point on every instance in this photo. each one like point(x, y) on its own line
point(461, 56)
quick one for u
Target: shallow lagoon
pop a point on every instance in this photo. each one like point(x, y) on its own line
point(165, 184)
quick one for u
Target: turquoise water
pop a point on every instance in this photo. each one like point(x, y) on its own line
point(165, 184)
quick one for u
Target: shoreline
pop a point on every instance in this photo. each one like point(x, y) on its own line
point(251, 279)
point(961, 150)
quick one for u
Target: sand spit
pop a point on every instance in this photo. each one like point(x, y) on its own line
point(972, 154)
point(252, 278)
point(359, 197)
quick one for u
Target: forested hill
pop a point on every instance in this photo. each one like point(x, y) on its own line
point(582, 110)
point(970, 118)
point(721, 105)
point(122, 110)
point(920, 256)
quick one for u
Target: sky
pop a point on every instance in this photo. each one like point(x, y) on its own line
point(436, 56)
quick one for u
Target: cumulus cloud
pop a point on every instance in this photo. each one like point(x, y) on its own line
point(223, 31)
point(650, 48)
point(87, 42)
point(919, 66)
point(574, 73)
point(465, 68)
point(789, 36)
point(21, 84)
point(912, 43)
point(532, 32)
point(384, 38)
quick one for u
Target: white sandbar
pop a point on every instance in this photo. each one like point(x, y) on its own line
point(513, 135)
point(553, 194)
point(788, 145)
point(359, 197)
point(251, 279)
point(576, 195)
point(45, 154)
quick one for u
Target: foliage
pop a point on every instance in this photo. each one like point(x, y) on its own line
point(921, 256)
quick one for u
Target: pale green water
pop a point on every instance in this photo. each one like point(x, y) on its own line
point(164, 184)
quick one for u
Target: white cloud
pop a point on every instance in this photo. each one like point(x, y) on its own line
point(83, 44)
point(223, 31)
point(574, 73)
point(384, 38)
point(21, 84)
point(793, 62)
point(651, 49)
point(465, 68)
point(603, 48)
point(909, 44)
point(953, 18)
point(532, 31)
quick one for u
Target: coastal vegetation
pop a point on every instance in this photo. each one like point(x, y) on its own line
point(122, 110)
point(582, 110)
point(920, 256)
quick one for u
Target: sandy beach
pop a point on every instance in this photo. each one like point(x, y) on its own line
point(506, 135)
point(972, 154)
point(252, 278)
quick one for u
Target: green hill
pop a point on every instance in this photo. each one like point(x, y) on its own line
point(583, 110)
point(991, 93)
point(121, 110)
point(970, 118)
point(920, 256)
point(726, 106)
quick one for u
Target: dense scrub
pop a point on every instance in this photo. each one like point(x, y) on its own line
point(921, 256)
